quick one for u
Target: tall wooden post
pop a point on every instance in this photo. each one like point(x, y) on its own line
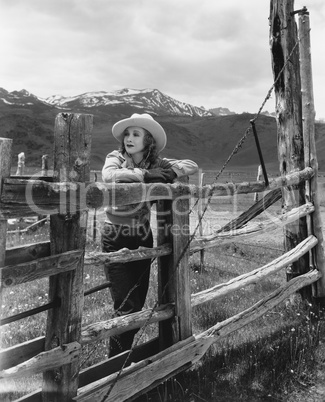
point(199, 216)
point(95, 217)
point(180, 235)
point(284, 43)
point(173, 271)
point(72, 143)
point(308, 122)
point(5, 166)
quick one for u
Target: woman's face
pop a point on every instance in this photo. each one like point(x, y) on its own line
point(134, 140)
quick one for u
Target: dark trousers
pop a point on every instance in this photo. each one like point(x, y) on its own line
point(129, 281)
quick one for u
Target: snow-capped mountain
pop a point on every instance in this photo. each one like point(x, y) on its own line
point(19, 98)
point(146, 100)
point(124, 101)
point(29, 121)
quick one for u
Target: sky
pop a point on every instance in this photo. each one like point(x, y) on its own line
point(209, 53)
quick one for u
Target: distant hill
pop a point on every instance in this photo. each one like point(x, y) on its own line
point(221, 111)
point(193, 132)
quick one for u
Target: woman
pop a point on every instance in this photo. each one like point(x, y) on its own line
point(137, 160)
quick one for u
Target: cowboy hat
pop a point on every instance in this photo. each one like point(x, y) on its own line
point(144, 121)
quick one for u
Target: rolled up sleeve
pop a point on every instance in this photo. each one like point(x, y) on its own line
point(184, 167)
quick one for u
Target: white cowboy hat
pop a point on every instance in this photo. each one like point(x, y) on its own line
point(145, 121)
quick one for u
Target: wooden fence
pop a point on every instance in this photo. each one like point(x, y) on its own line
point(57, 354)
point(66, 197)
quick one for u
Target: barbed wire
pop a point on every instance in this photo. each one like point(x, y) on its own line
point(237, 147)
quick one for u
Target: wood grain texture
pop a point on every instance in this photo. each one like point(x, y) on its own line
point(256, 275)
point(30, 197)
point(287, 88)
point(48, 360)
point(315, 223)
point(72, 144)
point(40, 268)
point(251, 229)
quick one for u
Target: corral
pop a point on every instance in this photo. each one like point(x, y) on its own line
point(66, 197)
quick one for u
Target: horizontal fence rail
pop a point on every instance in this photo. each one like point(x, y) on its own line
point(251, 229)
point(103, 330)
point(260, 308)
point(44, 361)
point(25, 198)
point(26, 253)
point(41, 268)
point(29, 313)
point(18, 254)
point(256, 275)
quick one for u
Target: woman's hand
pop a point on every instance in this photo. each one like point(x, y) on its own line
point(159, 175)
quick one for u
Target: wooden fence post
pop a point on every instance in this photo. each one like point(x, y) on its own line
point(20, 164)
point(308, 123)
point(72, 143)
point(45, 165)
point(173, 272)
point(5, 166)
point(259, 175)
point(95, 215)
point(199, 215)
point(284, 43)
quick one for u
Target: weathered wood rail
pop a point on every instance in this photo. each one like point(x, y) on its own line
point(66, 197)
point(50, 198)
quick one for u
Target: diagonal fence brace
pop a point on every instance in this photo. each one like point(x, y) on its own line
point(260, 153)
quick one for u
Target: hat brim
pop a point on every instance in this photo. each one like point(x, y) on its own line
point(154, 128)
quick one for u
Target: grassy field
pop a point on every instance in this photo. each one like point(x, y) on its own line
point(263, 361)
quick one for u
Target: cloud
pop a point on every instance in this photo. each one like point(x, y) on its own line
point(206, 53)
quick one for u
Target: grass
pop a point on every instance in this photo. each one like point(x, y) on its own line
point(263, 361)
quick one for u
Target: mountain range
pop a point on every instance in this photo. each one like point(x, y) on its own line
point(206, 136)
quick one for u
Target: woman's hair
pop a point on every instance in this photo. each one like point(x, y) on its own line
point(150, 153)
